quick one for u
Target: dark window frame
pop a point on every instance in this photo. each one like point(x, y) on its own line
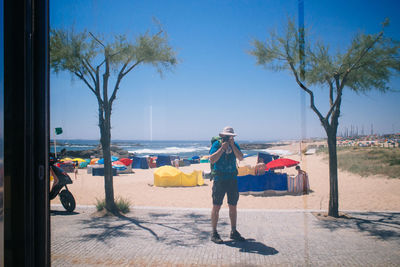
point(26, 133)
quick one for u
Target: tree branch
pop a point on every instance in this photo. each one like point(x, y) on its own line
point(134, 65)
point(89, 70)
point(336, 112)
point(116, 87)
point(330, 91)
point(338, 97)
point(97, 40)
point(101, 63)
point(290, 61)
point(88, 63)
point(321, 118)
point(352, 66)
point(80, 76)
point(95, 92)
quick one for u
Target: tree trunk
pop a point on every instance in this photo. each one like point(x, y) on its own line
point(333, 174)
point(108, 176)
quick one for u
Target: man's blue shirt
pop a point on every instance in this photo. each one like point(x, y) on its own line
point(225, 167)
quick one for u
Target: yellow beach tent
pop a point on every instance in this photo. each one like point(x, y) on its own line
point(168, 176)
point(66, 159)
point(79, 160)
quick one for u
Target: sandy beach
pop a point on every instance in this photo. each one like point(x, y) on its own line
point(371, 193)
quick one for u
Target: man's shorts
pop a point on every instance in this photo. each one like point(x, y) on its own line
point(222, 186)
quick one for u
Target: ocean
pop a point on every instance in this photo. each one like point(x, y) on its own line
point(184, 149)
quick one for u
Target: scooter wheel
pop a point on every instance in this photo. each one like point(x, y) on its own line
point(67, 200)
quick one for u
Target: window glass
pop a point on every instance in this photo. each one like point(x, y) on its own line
point(137, 85)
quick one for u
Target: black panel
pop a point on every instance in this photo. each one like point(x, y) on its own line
point(26, 133)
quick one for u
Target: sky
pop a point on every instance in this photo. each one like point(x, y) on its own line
point(216, 82)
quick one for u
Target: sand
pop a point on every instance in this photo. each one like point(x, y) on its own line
point(373, 193)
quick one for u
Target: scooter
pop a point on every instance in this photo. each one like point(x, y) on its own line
point(66, 197)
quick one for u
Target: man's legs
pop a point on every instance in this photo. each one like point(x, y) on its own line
point(218, 194)
point(214, 217)
point(214, 221)
point(233, 216)
point(233, 197)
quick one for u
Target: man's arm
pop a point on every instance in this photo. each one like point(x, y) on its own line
point(238, 153)
point(217, 154)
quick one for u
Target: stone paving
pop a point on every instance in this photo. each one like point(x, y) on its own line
point(180, 237)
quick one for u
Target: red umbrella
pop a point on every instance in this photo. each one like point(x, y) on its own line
point(126, 161)
point(281, 163)
point(117, 162)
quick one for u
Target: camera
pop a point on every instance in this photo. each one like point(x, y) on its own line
point(225, 138)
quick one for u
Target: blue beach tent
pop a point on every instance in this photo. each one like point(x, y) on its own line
point(139, 163)
point(260, 183)
point(267, 157)
point(194, 159)
point(163, 160)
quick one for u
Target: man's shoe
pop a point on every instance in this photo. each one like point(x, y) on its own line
point(216, 238)
point(236, 236)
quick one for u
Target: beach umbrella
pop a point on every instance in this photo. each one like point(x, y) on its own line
point(83, 164)
point(94, 161)
point(281, 163)
point(117, 162)
point(126, 161)
point(113, 158)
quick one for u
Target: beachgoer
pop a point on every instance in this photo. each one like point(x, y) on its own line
point(176, 163)
point(260, 167)
point(303, 176)
point(223, 155)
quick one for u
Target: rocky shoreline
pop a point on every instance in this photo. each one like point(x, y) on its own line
point(251, 146)
point(121, 153)
point(97, 152)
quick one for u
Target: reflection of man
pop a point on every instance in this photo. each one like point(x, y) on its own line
point(223, 155)
point(303, 177)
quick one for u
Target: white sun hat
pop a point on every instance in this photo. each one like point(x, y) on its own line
point(227, 131)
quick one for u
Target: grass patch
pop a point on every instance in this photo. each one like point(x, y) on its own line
point(122, 204)
point(367, 161)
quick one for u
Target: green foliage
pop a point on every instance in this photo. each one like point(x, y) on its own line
point(68, 50)
point(82, 52)
point(100, 204)
point(367, 64)
point(122, 204)
point(369, 161)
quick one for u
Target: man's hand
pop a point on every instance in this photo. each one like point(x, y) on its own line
point(224, 146)
point(231, 141)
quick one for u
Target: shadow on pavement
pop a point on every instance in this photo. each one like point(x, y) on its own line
point(173, 229)
point(106, 228)
point(252, 246)
point(383, 225)
point(62, 212)
point(272, 193)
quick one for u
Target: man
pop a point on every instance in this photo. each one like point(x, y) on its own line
point(303, 177)
point(223, 155)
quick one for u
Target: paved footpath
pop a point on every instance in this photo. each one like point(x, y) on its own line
point(180, 237)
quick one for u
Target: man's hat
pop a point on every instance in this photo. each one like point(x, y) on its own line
point(227, 131)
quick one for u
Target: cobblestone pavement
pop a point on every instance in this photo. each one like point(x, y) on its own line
point(181, 237)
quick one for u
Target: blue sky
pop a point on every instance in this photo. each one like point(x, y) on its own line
point(217, 83)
